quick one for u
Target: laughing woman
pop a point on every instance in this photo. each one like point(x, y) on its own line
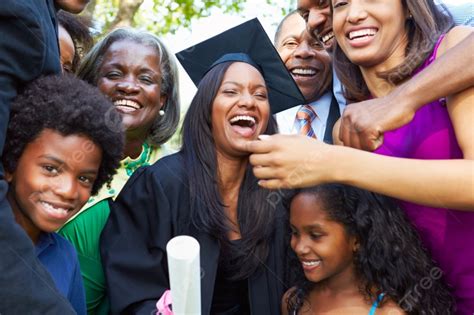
point(207, 190)
point(136, 71)
point(381, 44)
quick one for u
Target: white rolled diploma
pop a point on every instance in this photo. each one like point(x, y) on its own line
point(185, 275)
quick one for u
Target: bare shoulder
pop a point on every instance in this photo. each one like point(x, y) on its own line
point(390, 308)
point(454, 37)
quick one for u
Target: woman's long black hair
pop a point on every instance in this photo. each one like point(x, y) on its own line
point(390, 259)
point(255, 214)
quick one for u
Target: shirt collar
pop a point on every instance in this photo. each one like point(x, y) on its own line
point(321, 106)
point(45, 240)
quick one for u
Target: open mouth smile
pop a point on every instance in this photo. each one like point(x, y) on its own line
point(127, 106)
point(245, 125)
point(309, 265)
point(57, 211)
point(303, 72)
point(326, 39)
point(362, 34)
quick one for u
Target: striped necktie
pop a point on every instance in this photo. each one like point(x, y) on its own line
point(305, 117)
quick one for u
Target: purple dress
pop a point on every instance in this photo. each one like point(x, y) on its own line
point(447, 233)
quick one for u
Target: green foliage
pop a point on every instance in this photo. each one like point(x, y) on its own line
point(105, 12)
point(161, 16)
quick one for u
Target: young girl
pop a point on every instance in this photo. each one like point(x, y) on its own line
point(60, 149)
point(359, 255)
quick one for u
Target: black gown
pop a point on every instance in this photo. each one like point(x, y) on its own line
point(152, 208)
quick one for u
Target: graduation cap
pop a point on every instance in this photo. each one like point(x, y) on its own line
point(248, 43)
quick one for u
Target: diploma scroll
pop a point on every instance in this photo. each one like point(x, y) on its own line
point(185, 275)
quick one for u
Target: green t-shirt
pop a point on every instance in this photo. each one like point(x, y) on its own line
point(84, 233)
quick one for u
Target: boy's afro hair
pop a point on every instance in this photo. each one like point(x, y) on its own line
point(68, 106)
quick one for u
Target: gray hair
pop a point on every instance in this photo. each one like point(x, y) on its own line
point(164, 126)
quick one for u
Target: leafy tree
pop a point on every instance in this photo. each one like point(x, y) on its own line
point(157, 16)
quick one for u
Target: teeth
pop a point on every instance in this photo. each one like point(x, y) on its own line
point(311, 263)
point(301, 71)
point(237, 118)
point(327, 37)
point(128, 103)
point(50, 207)
point(361, 33)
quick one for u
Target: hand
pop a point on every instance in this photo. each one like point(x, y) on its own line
point(363, 124)
point(283, 161)
point(163, 305)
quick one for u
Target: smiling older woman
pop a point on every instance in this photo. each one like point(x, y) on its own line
point(136, 71)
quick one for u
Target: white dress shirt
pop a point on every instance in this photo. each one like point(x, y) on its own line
point(287, 123)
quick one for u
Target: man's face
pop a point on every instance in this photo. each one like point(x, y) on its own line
point(317, 16)
point(304, 56)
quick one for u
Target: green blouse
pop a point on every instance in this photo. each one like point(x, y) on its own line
point(84, 229)
point(87, 246)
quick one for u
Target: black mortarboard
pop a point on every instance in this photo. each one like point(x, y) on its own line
point(248, 43)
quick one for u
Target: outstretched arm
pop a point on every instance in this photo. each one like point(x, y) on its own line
point(363, 124)
point(283, 161)
point(297, 161)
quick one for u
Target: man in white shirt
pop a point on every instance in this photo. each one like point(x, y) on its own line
point(310, 65)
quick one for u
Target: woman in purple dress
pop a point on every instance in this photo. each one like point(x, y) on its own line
point(428, 164)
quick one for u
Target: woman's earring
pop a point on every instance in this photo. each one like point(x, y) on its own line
point(161, 112)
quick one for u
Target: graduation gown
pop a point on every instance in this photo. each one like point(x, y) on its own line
point(152, 208)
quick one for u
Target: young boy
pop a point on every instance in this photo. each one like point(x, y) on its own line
point(63, 143)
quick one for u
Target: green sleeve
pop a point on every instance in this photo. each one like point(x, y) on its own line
point(84, 233)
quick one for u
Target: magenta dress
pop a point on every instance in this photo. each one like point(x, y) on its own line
point(447, 233)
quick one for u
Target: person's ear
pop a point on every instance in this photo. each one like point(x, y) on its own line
point(408, 15)
point(8, 176)
point(355, 245)
point(163, 99)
